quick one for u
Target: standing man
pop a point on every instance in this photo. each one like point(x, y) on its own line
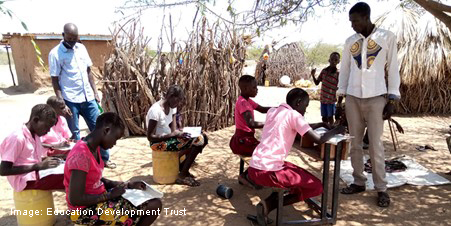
point(70, 69)
point(366, 56)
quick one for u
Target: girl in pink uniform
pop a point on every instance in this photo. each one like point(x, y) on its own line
point(268, 166)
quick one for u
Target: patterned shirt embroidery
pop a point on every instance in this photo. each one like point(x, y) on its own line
point(372, 50)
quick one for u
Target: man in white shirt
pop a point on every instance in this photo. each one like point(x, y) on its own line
point(367, 56)
point(70, 69)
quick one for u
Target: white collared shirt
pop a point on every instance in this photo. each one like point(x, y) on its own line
point(156, 112)
point(71, 66)
point(363, 65)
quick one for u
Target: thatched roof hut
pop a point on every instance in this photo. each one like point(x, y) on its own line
point(424, 54)
point(287, 60)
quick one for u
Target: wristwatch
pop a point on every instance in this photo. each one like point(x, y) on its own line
point(392, 98)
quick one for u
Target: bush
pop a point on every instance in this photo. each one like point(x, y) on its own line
point(318, 53)
point(253, 53)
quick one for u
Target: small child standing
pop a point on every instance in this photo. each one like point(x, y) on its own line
point(243, 142)
point(329, 87)
point(59, 134)
point(22, 152)
point(268, 166)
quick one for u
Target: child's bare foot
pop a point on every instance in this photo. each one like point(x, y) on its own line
point(187, 181)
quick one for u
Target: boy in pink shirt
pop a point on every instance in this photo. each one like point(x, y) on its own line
point(59, 134)
point(243, 142)
point(22, 153)
point(268, 166)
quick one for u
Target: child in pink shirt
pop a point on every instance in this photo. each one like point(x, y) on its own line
point(59, 134)
point(243, 142)
point(21, 153)
point(89, 191)
point(268, 166)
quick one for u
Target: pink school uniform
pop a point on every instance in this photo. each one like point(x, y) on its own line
point(268, 166)
point(58, 133)
point(21, 148)
point(81, 158)
point(243, 141)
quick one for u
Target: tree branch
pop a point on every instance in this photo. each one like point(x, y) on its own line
point(436, 9)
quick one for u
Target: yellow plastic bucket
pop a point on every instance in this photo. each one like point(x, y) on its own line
point(165, 166)
point(35, 203)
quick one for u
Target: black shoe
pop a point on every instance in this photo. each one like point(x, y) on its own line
point(352, 189)
point(383, 199)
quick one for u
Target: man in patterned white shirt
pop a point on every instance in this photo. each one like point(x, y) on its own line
point(367, 56)
point(72, 80)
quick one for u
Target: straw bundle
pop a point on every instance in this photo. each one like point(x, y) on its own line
point(207, 68)
point(424, 54)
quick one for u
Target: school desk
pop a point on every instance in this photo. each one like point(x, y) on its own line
point(326, 152)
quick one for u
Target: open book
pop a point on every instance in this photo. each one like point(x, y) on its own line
point(52, 171)
point(138, 197)
point(193, 131)
point(65, 148)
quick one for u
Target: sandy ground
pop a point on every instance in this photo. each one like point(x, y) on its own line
point(411, 205)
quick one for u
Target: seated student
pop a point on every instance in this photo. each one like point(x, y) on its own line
point(59, 134)
point(163, 135)
point(88, 191)
point(243, 142)
point(268, 166)
point(22, 153)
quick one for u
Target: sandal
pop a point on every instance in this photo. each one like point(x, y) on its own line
point(383, 200)
point(110, 165)
point(352, 189)
point(187, 181)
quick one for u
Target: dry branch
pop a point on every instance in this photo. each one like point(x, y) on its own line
point(207, 67)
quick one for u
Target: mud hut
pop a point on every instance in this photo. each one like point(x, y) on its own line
point(424, 54)
point(31, 74)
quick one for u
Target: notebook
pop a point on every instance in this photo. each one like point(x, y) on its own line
point(138, 197)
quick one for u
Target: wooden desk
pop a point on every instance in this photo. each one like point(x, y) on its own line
point(324, 154)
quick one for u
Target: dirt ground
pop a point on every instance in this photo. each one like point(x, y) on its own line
point(411, 205)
